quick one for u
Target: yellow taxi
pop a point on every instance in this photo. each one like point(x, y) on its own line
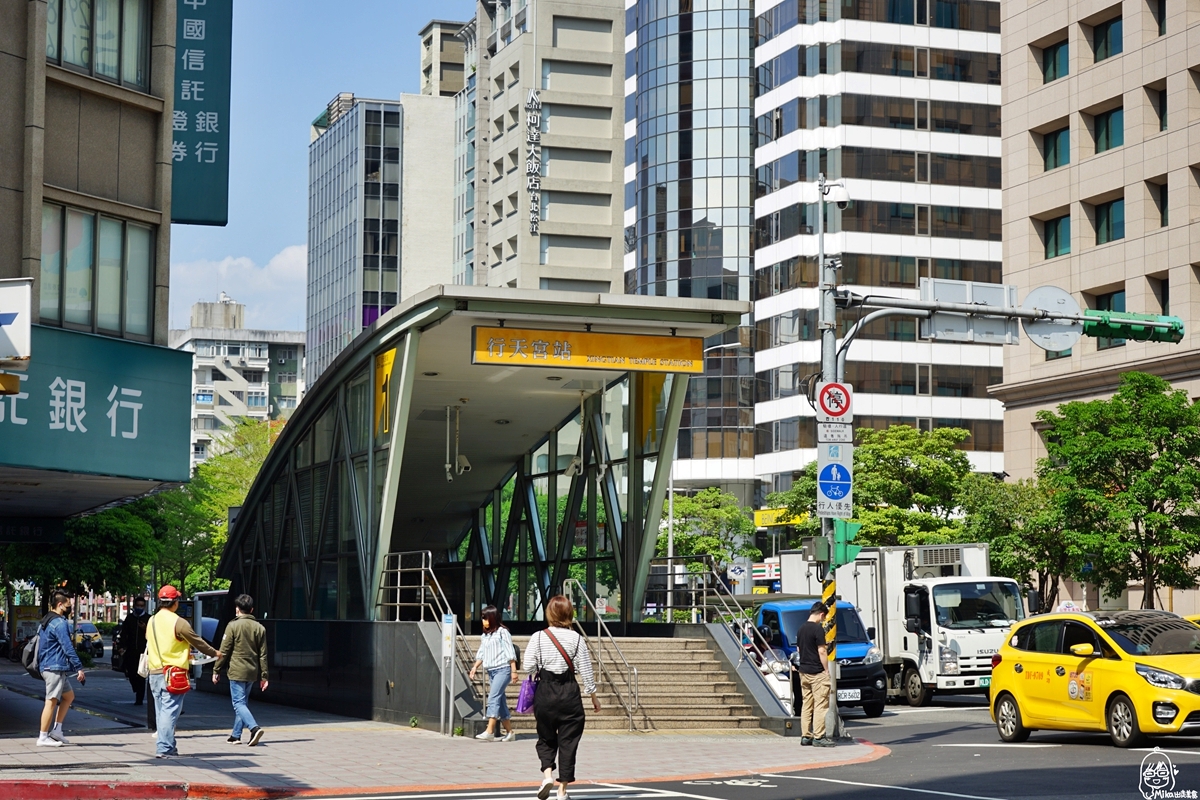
point(88, 635)
point(1131, 673)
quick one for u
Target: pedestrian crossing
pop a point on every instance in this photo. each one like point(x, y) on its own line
point(579, 791)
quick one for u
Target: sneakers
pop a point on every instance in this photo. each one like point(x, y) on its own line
point(488, 736)
point(805, 741)
point(233, 740)
point(511, 736)
point(56, 733)
point(824, 741)
point(544, 790)
point(44, 740)
point(256, 735)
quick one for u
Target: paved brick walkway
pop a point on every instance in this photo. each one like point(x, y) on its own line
point(305, 751)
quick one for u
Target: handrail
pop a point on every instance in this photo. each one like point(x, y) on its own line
point(630, 673)
point(729, 605)
point(431, 598)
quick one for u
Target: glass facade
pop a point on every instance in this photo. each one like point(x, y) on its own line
point(354, 227)
point(107, 39)
point(465, 107)
point(689, 206)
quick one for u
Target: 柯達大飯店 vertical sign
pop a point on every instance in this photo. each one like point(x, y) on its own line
point(200, 121)
point(533, 159)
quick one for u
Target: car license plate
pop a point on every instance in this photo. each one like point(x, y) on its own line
point(849, 694)
point(985, 682)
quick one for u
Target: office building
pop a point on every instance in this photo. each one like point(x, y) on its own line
point(442, 58)
point(379, 213)
point(85, 212)
point(1100, 176)
point(237, 372)
point(538, 137)
point(901, 102)
point(688, 210)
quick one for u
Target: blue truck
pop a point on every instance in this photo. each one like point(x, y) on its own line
point(862, 680)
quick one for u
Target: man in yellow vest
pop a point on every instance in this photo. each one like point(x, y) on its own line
point(169, 639)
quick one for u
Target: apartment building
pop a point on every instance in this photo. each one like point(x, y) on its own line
point(237, 372)
point(688, 214)
point(442, 58)
point(901, 102)
point(380, 219)
point(1102, 190)
point(538, 137)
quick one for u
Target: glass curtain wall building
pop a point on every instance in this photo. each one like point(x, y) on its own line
point(901, 101)
point(688, 213)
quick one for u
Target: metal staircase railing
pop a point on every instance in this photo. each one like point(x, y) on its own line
point(628, 673)
point(409, 588)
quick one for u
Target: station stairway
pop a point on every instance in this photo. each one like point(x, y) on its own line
point(682, 684)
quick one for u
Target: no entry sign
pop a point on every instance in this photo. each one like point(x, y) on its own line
point(834, 402)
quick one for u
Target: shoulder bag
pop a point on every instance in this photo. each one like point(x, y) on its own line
point(177, 679)
point(528, 690)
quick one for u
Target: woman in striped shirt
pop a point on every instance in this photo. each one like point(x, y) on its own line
point(499, 659)
point(556, 655)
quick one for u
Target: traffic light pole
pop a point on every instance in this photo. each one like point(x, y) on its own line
point(828, 325)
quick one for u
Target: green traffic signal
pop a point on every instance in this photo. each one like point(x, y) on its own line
point(1125, 325)
point(845, 532)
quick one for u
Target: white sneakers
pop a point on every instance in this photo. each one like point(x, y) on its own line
point(511, 736)
point(44, 740)
point(486, 736)
point(56, 733)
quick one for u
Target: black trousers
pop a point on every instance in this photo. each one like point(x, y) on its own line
point(138, 684)
point(558, 709)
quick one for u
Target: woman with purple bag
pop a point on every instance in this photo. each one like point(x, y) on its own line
point(498, 658)
point(553, 658)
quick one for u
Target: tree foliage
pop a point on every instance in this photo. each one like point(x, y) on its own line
point(1125, 473)
point(905, 487)
point(712, 523)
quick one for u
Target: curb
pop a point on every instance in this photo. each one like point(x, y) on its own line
point(150, 790)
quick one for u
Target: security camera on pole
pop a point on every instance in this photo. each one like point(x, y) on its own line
point(834, 193)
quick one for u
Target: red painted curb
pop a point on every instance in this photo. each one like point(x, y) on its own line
point(117, 790)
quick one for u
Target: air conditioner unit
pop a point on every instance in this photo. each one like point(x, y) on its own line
point(283, 361)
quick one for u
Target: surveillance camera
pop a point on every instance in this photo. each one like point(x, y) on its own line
point(449, 474)
point(574, 468)
point(463, 465)
point(838, 194)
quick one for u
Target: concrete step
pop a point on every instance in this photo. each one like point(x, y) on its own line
point(526, 723)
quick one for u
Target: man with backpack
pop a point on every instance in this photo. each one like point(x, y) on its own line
point(56, 658)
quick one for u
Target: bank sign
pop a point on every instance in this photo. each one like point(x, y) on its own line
point(200, 121)
point(91, 404)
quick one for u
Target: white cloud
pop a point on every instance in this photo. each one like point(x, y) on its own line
point(274, 294)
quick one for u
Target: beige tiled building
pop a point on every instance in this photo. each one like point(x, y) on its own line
point(1101, 166)
point(442, 53)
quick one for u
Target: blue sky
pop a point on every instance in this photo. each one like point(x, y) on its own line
point(289, 60)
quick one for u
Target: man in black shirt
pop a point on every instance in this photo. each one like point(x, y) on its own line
point(813, 663)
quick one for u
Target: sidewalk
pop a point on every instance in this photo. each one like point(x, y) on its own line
point(307, 753)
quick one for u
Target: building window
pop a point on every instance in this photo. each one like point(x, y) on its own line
point(200, 450)
point(285, 353)
point(1110, 129)
point(1058, 236)
point(204, 398)
point(1160, 108)
point(108, 39)
point(1159, 192)
point(1113, 301)
point(1158, 8)
point(1056, 147)
point(284, 401)
point(1110, 223)
point(1054, 356)
point(1106, 39)
point(1055, 63)
point(96, 273)
point(285, 377)
point(256, 400)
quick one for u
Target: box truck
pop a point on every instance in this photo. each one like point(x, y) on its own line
point(938, 614)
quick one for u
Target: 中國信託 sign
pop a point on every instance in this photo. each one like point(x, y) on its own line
point(584, 350)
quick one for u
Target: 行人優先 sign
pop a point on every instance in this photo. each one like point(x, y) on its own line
point(200, 120)
point(101, 406)
point(835, 481)
point(583, 350)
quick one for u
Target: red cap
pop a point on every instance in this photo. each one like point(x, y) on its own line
point(169, 592)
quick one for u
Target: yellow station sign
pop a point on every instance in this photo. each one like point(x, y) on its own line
point(768, 517)
point(582, 350)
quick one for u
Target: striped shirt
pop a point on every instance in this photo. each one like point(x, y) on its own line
point(496, 649)
point(542, 654)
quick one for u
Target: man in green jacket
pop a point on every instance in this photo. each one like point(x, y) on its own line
point(244, 655)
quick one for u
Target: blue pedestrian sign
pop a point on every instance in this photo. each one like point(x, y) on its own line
point(835, 481)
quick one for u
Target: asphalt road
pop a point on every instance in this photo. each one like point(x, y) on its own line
point(947, 750)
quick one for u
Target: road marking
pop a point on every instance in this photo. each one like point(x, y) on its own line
point(928, 710)
point(883, 786)
point(601, 791)
point(656, 792)
point(1000, 744)
point(1161, 750)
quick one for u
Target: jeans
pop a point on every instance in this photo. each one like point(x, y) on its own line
point(167, 707)
point(498, 680)
point(242, 718)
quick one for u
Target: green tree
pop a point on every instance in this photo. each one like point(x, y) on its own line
point(1026, 529)
point(905, 487)
point(1126, 475)
point(712, 523)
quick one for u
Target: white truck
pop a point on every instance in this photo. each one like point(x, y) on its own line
point(933, 610)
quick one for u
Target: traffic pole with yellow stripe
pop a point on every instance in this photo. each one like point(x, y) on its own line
point(833, 720)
